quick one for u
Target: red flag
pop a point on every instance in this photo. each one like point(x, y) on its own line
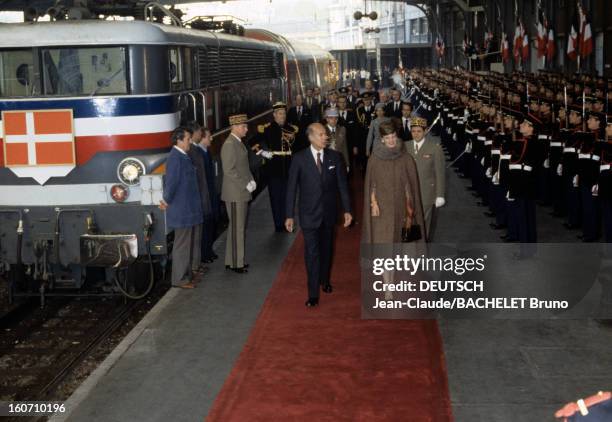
point(585, 38)
point(505, 48)
point(518, 42)
point(550, 46)
point(542, 34)
point(572, 43)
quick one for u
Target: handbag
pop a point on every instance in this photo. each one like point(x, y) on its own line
point(413, 232)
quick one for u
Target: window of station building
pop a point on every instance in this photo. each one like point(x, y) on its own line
point(84, 71)
point(17, 73)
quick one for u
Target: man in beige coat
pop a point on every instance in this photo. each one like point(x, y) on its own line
point(430, 160)
point(238, 183)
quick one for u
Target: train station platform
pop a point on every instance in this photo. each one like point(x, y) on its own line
point(244, 347)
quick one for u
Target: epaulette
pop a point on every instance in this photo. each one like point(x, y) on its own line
point(262, 128)
point(295, 128)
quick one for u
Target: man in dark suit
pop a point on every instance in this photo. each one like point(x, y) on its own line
point(319, 174)
point(394, 107)
point(312, 105)
point(209, 228)
point(404, 133)
point(300, 116)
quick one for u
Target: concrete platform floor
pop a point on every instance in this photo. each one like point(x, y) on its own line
point(516, 370)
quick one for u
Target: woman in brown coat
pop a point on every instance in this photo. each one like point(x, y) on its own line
point(392, 200)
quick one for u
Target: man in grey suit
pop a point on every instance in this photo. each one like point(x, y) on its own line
point(429, 159)
point(238, 183)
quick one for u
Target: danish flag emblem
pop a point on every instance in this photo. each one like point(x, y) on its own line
point(38, 138)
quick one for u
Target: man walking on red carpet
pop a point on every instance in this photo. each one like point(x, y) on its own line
point(320, 174)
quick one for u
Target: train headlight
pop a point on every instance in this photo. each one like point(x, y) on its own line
point(119, 193)
point(129, 171)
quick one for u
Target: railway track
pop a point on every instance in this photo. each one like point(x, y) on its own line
point(43, 351)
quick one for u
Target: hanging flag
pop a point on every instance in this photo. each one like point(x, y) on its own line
point(525, 51)
point(542, 34)
point(585, 38)
point(488, 41)
point(505, 48)
point(439, 46)
point(550, 45)
point(518, 41)
point(572, 41)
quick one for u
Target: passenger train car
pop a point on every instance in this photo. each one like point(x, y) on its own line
point(87, 108)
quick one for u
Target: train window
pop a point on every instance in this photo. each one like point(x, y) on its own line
point(17, 73)
point(189, 67)
point(84, 70)
point(176, 69)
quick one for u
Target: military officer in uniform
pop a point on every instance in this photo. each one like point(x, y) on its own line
point(238, 183)
point(336, 135)
point(430, 160)
point(277, 144)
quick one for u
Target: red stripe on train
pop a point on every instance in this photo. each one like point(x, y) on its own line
point(88, 146)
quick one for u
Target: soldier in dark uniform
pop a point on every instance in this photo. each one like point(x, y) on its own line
point(404, 132)
point(588, 172)
point(277, 142)
point(572, 140)
point(526, 157)
point(348, 119)
point(605, 180)
point(365, 114)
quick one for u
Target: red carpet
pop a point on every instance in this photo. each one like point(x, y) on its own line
point(326, 364)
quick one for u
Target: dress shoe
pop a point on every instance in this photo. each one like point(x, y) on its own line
point(510, 240)
point(496, 226)
point(327, 287)
point(312, 302)
point(207, 260)
point(239, 270)
point(489, 214)
point(570, 226)
point(579, 236)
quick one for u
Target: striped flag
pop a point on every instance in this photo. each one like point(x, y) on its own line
point(585, 37)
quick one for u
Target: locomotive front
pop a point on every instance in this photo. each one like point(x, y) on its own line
point(87, 110)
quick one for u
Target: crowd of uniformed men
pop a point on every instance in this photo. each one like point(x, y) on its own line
point(526, 138)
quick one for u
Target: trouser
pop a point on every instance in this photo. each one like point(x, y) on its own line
point(209, 229)
point(430, 221)
point(512, 210)
point(557, 192)
point(590, 214)
point(196, 255)
point(182, 255)
point(572, 201)
point(234, 244)
point(318, 249)
point(498, 204)
point(277, 188)
point(526, 220)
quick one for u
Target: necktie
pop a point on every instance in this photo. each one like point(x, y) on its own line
point(416, 148)
point(299, 113)
point(344, 115)
point(319, 166)
point(406, 125)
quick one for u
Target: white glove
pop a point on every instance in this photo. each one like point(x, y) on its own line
point(251, 186)
point(454, 136)
point(560, 170)
point(468, 147)
point(482, 162)
point(495, 178)
point(488, 173)
point(508, 197)
point(575, 181)
point(547, 163)
point(440, 202)
point(266, 154)
point(595, 190)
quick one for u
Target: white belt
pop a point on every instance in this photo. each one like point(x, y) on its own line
point(505, 156)
point(556, 144)
point(481, 138)
point(595, 157)
point(583, 156)
point(488, 142)
point(445, 110)
point(495, 152)
point(569, 149)
point(543, 137)
point(519, 167)
point(281, 153)
point(604, 167)
point(460, 123)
